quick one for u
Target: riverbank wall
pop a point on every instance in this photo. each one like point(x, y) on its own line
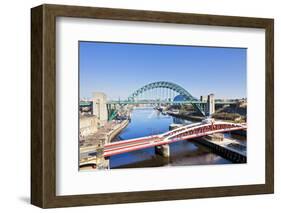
point(226, 152)
point(116, 130)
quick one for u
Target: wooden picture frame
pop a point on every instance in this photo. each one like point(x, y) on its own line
point(43, 105)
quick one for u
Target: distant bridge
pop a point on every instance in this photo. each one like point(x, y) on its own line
point(161, 92)
point(182, 133)
point(165, 91)
point(136, 102)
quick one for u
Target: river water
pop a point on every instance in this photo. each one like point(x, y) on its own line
point(147, 121)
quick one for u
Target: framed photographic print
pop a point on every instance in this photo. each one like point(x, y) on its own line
point(136, 106)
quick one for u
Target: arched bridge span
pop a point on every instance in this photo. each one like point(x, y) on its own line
point(163, 90)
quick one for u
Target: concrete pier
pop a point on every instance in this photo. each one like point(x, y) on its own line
point(101, 161)
point(163, 150)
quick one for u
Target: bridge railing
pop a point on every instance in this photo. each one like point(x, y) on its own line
point(204, 128)
point(153, 102)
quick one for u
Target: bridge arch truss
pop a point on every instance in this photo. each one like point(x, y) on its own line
point(163, 90)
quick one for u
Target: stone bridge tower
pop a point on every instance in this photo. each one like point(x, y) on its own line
point(211, 104)
point(99, 106)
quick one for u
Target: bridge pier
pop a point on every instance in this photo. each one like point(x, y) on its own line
point(163, 150)
point(102, 162)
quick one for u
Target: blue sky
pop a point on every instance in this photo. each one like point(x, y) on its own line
point(118, 69)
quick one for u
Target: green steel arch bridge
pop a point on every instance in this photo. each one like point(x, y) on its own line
point(165, 92)
point(157, 93)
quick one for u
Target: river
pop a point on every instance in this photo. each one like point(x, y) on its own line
point(147, 121)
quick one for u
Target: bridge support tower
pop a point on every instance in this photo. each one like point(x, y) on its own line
point(163, 150)
point(211, 104)
point(99, 106)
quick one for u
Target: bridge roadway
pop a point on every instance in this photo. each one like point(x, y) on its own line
point(125, 102)
point(167, 102)
point(182, 133)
